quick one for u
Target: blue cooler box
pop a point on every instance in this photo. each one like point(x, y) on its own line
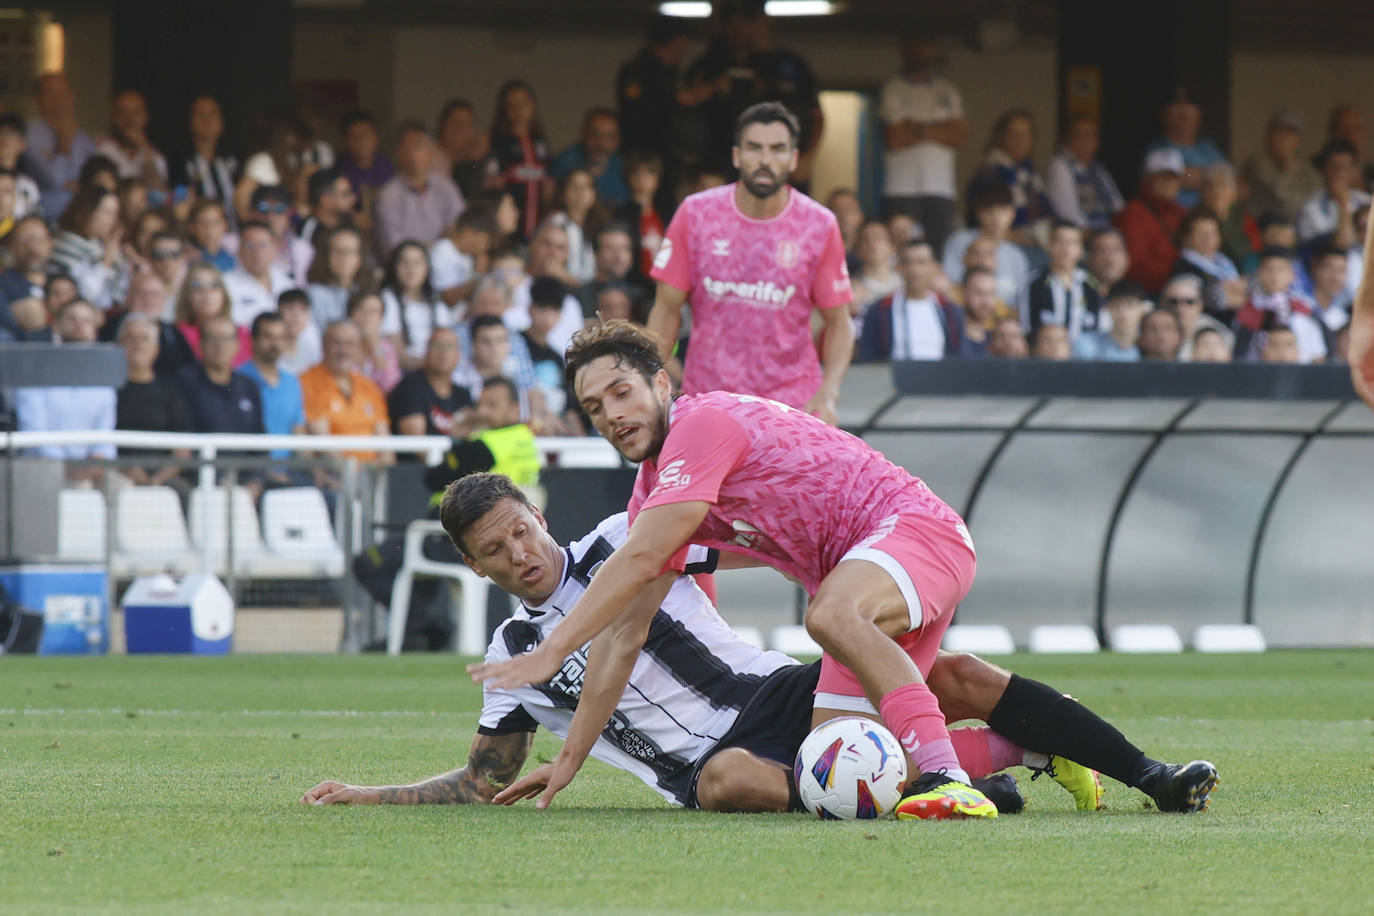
point(72, 601)
point(192, 616)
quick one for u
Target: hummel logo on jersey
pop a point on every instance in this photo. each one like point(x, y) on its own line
point(671, 476)
point(720, 248)
point(746, 535)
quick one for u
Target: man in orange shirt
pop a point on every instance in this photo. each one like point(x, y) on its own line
point(340, 401)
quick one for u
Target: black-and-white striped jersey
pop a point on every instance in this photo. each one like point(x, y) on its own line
point(688, 685)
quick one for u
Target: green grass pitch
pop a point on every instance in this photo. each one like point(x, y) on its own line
point(170, 785)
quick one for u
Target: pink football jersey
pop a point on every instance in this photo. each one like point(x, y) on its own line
point(783, 486)
point(752, 285)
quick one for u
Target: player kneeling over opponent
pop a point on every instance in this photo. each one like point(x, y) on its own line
point(884, 560)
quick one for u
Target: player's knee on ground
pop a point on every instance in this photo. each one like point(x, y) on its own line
point(966, 686)
point(736, 780)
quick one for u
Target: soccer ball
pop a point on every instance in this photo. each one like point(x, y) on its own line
point(850, 768)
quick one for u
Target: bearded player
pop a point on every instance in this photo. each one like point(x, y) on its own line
point(756, 258)
point(884, 560)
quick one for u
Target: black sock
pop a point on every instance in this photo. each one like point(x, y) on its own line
point(794, 802)
point(1040, 718)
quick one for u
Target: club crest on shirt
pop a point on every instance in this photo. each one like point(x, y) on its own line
point(789, 252)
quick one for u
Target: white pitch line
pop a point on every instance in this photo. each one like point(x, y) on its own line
point(332, 713)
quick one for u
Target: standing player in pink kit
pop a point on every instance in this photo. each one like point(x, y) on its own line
point(756, 258)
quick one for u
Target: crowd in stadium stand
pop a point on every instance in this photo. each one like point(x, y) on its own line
point(332, 282)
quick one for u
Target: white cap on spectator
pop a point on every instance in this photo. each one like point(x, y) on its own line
point(1167, 159)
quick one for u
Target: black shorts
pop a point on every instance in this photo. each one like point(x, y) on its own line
point(773, 723)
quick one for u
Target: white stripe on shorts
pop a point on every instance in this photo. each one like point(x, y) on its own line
point(846, 704)
point(899, 575)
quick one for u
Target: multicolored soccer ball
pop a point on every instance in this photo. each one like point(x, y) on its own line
point(850, 769)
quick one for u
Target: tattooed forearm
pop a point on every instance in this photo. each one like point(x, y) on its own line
point(493, 762)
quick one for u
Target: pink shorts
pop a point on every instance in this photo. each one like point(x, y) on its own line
point(932, 561)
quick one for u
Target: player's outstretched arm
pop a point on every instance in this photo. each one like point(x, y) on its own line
point(610, 662)
point(665, 318)
point(493, 762)
point(1362, 327)
point(656, 535)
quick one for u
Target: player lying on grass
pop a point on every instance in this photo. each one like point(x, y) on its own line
point(885, 561)
point(759, 703)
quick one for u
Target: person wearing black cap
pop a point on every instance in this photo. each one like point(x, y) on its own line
point(272, 205)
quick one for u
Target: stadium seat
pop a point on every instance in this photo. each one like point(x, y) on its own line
point(1064, 639)
point(295, 526)
point(208, 520)
point(472, 609)
point(794, 641)
point(150, 533)
point(1146, 637)
point(81, 525)
point(1222, 637)
point(980, 640)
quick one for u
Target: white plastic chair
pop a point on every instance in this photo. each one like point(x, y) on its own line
point(150, 530)
point(296, 528)
point(472, 608)
point(81, 525)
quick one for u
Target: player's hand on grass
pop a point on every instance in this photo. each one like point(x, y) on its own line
point(531, 668)
point(822, 406)
point(330, 792)
point(546, 781)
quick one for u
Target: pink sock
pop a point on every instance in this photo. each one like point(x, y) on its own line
point(982, 751)
point(913, 714)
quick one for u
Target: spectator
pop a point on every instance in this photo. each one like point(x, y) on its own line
point(204, 297)
point(983, 310)
point(1181, 119)
point(210, 172)
point(579, 213)
point(279, 391)
point(1061, 293)
point(1008, 340)
point(1108, 261)
point(272, 205)
point(519, 153)
point(427, 402)
point(284, 163)
point(168, 259)
point(411, 309)
point(28, 319)
point(613, 300)
point(649, 99)
point(1210, 346)
point(13, 144)
point(148, 297)
point(149, 401)
point(1199, 238)
point(332, 199)
point(1240, 234)
point(128, 147)
point(377, 357)
point(924, 127)
point(133, 203)
point(1007, 163)
point(994, 211)
point(598, 154)
point(255, 285)
point(50, 409)
point(29, 247)
point(7, 202)
point(1329, 215)
point(98, 171)
point(218, 399)
point(459, 259)
point(209, 230)
point(366, 169)
point(55, 140)
point(645, 170)
point(877, 276)
point(461, 151)
point(500, 443)
point(1276, 232)
point(1125, 305)
point(1272, 304)
point(547, 296)
point(1331, 295)
point(844, 203)
point(1160, 336)
point(304, 348)
point(491, 345)
point(141, 231)
point(507, 217)
point(60, 290)
point(1051, 343)
point(1279, 345)
point(337, 275)
point(548, 255)
point(1277, 177)
point(88, 245)
point(1345, 123)
point(613, 247)
point(784, 76)
point(340, 401)
point(1079, 187)
point(916, 322)
point(1149, 222)
point(1183, 295)
point(418, 203)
